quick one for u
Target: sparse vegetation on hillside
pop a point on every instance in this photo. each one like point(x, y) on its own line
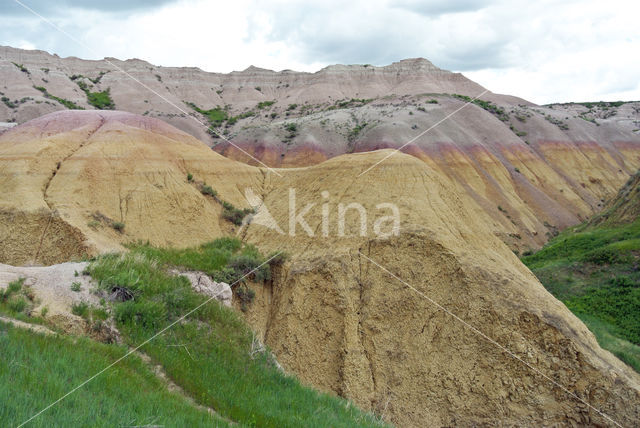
point(558, 122)
point(215, 116)
point(264, 104)
point(356, 130)
point(101, 99)
point(16, 103)
point(68, 104)
point(497, 111)
point(353, 102)
point(21, 68)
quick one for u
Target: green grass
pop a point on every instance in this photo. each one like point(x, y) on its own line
point(215, 116)
point(100, 100)
point(264, 104)
point(68, 104)
point(594, 271)
point(608, 339)
point(36, 370)
point(17, 300)
point(215, 365)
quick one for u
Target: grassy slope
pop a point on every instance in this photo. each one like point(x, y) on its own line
point(36, 370)
point(593, 269)
point(210, 354)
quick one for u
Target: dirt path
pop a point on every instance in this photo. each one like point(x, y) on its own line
point(173, 387)
point(21, 324)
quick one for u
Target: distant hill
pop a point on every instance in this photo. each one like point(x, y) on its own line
point(533, 170)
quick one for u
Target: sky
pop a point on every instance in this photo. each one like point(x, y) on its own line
point(544, 51)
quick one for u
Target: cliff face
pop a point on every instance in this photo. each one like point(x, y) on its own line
point(358, 307)
point(531, 169)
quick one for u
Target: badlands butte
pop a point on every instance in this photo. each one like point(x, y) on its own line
point(346, 313)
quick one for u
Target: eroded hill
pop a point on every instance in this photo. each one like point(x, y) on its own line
point(533, 169)
point(353, 310)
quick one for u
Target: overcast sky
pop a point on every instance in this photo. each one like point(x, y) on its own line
point(544, 51)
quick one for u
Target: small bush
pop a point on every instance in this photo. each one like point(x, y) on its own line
point(118, 225)
point(602, 256)
point(18, 304)
point(189, 177)
point(208, 190)
point(278, 259)
point(148, 314)
point(80, 309)
point(76, 286)
point(245, 295)
point(233, 214)
point(15, 286)
point(265, 104)
point(12, 288)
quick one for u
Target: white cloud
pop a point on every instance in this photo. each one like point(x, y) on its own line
point(543, 51)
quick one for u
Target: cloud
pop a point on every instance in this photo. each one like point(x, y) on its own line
point(439, 7)
point(543, 51)
point(60, 7)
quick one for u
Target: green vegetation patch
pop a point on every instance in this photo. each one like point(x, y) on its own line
point(21, 67)
point(100, 100)
point(68, 104)
point(594, 271)
point(212, 353)
point(216, 116)
point(264, 104)
point(497, 111)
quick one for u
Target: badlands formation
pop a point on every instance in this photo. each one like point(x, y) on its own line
point(346, 313)
point(532, 170)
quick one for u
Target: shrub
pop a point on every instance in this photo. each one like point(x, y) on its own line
point(76, 286)
point(147, 313)
point(265, 104)
point(21, 68)
point(208, 190)
point(245, 295)
point(189, 177)
point(291, 127)
point(18, 304)
point(118, 225)
point(80, 309)
point(278, 259)
point(12, 288)
point(233, 214)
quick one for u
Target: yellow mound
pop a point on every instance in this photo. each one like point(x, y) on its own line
point(95, 169)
